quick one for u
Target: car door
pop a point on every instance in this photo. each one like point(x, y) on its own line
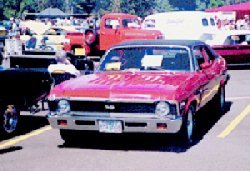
point(212, 72)
point(215, 69)
point(110, 33)
point(204, 69)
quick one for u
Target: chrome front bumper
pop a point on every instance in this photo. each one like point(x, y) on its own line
point(147, 124)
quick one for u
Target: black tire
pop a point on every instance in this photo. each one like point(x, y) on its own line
point(186, 133)
point(9, 120)
point(67, 135)
point(72, 137)
point(219, 100)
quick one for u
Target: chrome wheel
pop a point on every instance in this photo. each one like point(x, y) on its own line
point(188, 127)
point(10, 119)
point(190, 124)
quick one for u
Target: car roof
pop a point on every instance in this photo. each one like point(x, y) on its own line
point(120, 15)
point(188, 43)
point(233, 32)
point(187, 15)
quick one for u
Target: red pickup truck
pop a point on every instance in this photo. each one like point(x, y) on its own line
point(114, 28)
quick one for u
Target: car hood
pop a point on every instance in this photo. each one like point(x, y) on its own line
point(128, 85)
point(138, 33)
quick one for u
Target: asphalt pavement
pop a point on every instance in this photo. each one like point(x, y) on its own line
point(221, 143)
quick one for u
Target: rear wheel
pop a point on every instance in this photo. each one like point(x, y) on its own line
point(9, 119)
point(219, 100)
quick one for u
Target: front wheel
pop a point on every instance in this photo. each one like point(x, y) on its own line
point(187, 130)
point(9, 119)
point(69, 136)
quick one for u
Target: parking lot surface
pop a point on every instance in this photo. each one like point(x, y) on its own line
point(221, 143)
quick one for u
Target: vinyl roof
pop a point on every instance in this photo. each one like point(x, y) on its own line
point(188, 43)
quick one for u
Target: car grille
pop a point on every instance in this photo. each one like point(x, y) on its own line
point(114, 107)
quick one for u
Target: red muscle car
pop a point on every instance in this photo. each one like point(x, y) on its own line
point(147, 86)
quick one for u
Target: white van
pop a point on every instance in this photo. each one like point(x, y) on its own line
point(197, 25)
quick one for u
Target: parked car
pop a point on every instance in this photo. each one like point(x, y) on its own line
point(20, 90)
point(233, 45)
point(144, 86)
point(51, 39)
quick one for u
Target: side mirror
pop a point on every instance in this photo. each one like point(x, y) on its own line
point(205, 65)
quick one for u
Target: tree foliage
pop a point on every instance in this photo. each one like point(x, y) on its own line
point(14, 8)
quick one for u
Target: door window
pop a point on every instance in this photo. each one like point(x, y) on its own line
point(198, 57)
point(112, 24)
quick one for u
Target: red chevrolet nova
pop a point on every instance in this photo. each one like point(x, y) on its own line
point(150, 86)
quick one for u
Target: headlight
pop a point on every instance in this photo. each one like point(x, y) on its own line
point(63, 106)
point(162, 109)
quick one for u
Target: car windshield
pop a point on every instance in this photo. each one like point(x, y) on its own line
point(146, 58)
point(237, 39)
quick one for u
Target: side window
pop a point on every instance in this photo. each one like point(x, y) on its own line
point(112, 24)
point(149, 23)
point(212, 22)
point(210, 54)
point(198, 57)
point(204, 22)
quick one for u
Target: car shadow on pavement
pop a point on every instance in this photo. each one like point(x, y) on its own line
point(10, 149)
point(239, 67)
point(148, 142)
point(206, 119)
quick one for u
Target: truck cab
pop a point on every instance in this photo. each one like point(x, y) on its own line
point(115, 28)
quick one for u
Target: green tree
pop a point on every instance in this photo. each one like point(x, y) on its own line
point(183, 4)
point(229, 2)
point(201, 5)
point(215, 3)
point(116, 6)
point(163, 6)
point(138, 7)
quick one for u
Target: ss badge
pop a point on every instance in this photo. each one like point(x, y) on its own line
point(110, 107)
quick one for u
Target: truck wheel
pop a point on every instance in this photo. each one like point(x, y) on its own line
point(219, 100)
point(9, 119)
point(90, 38)
point(188, 126)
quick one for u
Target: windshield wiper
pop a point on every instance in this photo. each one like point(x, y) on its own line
point(153, 68)
point(131, 69)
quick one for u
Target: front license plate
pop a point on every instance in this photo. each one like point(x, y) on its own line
point(109, 126)
point(80, 51)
